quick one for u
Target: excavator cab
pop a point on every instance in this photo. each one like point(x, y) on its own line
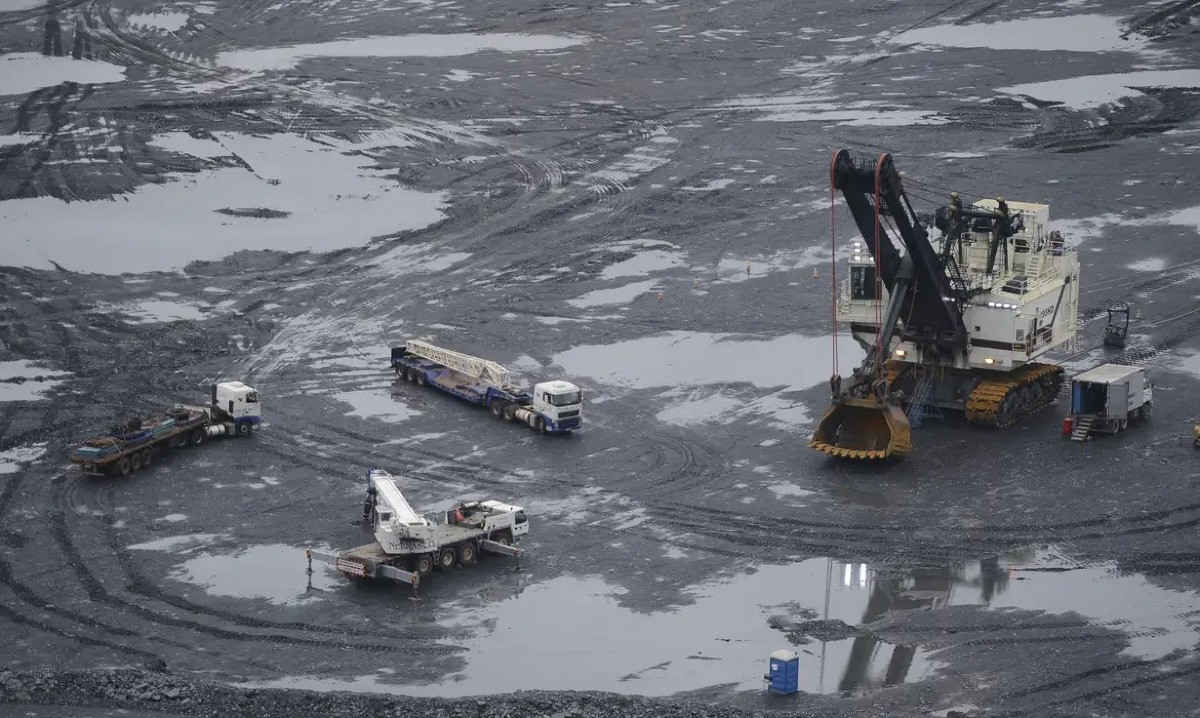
point(854, 428)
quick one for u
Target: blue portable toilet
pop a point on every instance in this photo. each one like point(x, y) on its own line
point(784, 677)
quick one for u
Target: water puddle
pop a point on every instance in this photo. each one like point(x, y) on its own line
point(821, 608)
point(22, 380)
point(614, 295)
point(373, 404)
point(1090, 91)
point(274, 572)
point(12, 459)
point(428, 45)
point(664, 257)
point(289, 193)
point(156, 311)
point(685, 358)
point(723, 638)
point(24, 72)
point(1077, 33)
point(187, 543)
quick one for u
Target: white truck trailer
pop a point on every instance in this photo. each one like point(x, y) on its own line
point(554, 407)
point(1106, 398)
point(409, 546)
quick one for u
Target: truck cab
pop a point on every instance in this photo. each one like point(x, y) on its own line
point(239, 402)
point(561, 403)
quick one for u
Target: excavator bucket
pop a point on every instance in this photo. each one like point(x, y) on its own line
point(863, 429)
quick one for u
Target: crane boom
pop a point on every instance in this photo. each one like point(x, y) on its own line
point(473, 367)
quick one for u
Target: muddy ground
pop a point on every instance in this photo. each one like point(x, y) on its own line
point(633, 196)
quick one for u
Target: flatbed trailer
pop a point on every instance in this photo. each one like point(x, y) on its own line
point(553, 407)
point(408, 546)
point(132, 446)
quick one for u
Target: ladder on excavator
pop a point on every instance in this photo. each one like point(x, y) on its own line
point(474, 367)
point(919, 407)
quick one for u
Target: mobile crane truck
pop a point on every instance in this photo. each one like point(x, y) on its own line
point(408, 546)
point(233, 410)
point(957, 326)
point(555, 407)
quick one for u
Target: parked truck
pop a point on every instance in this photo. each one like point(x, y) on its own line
point(1106, 398)
point(554, 407)
point(233, 410)
point(409, 546)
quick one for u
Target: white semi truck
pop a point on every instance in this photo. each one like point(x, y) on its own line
point(554, 407)
point(409, 546)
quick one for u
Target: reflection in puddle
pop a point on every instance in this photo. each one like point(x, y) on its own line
point(574, 633)
point(275, 572)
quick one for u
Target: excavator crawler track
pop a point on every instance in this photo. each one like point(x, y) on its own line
point(1001, 401)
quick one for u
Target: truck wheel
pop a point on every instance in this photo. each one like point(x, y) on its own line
point(466, 555)
point(135, 461)
point(244, 429)
point(540, 425)
point(498, 409)
point(423, 565)
point(420, 378)
point(123, 466)
point(447, 558)
point(196, 437)
point(510, 412)
point(1146, 410)
point(146, 457)
point(409, 376)
point(504, 538)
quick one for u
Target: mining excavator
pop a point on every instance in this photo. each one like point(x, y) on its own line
point(958, 323)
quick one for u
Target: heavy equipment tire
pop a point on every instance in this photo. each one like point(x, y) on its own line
point(504, 537)
point(447, 558)
point(123, 466)
point(510, 412)
point(423, 565)
point(498, 409)
point(466, 555)
point(420, 378)
point(147, 457)
point(135, 461)
point(196, 438)
point(244, 429)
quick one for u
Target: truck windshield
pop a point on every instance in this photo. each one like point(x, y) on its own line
point(564, 399)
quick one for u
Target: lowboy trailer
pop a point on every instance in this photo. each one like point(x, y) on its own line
point(554, 407)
